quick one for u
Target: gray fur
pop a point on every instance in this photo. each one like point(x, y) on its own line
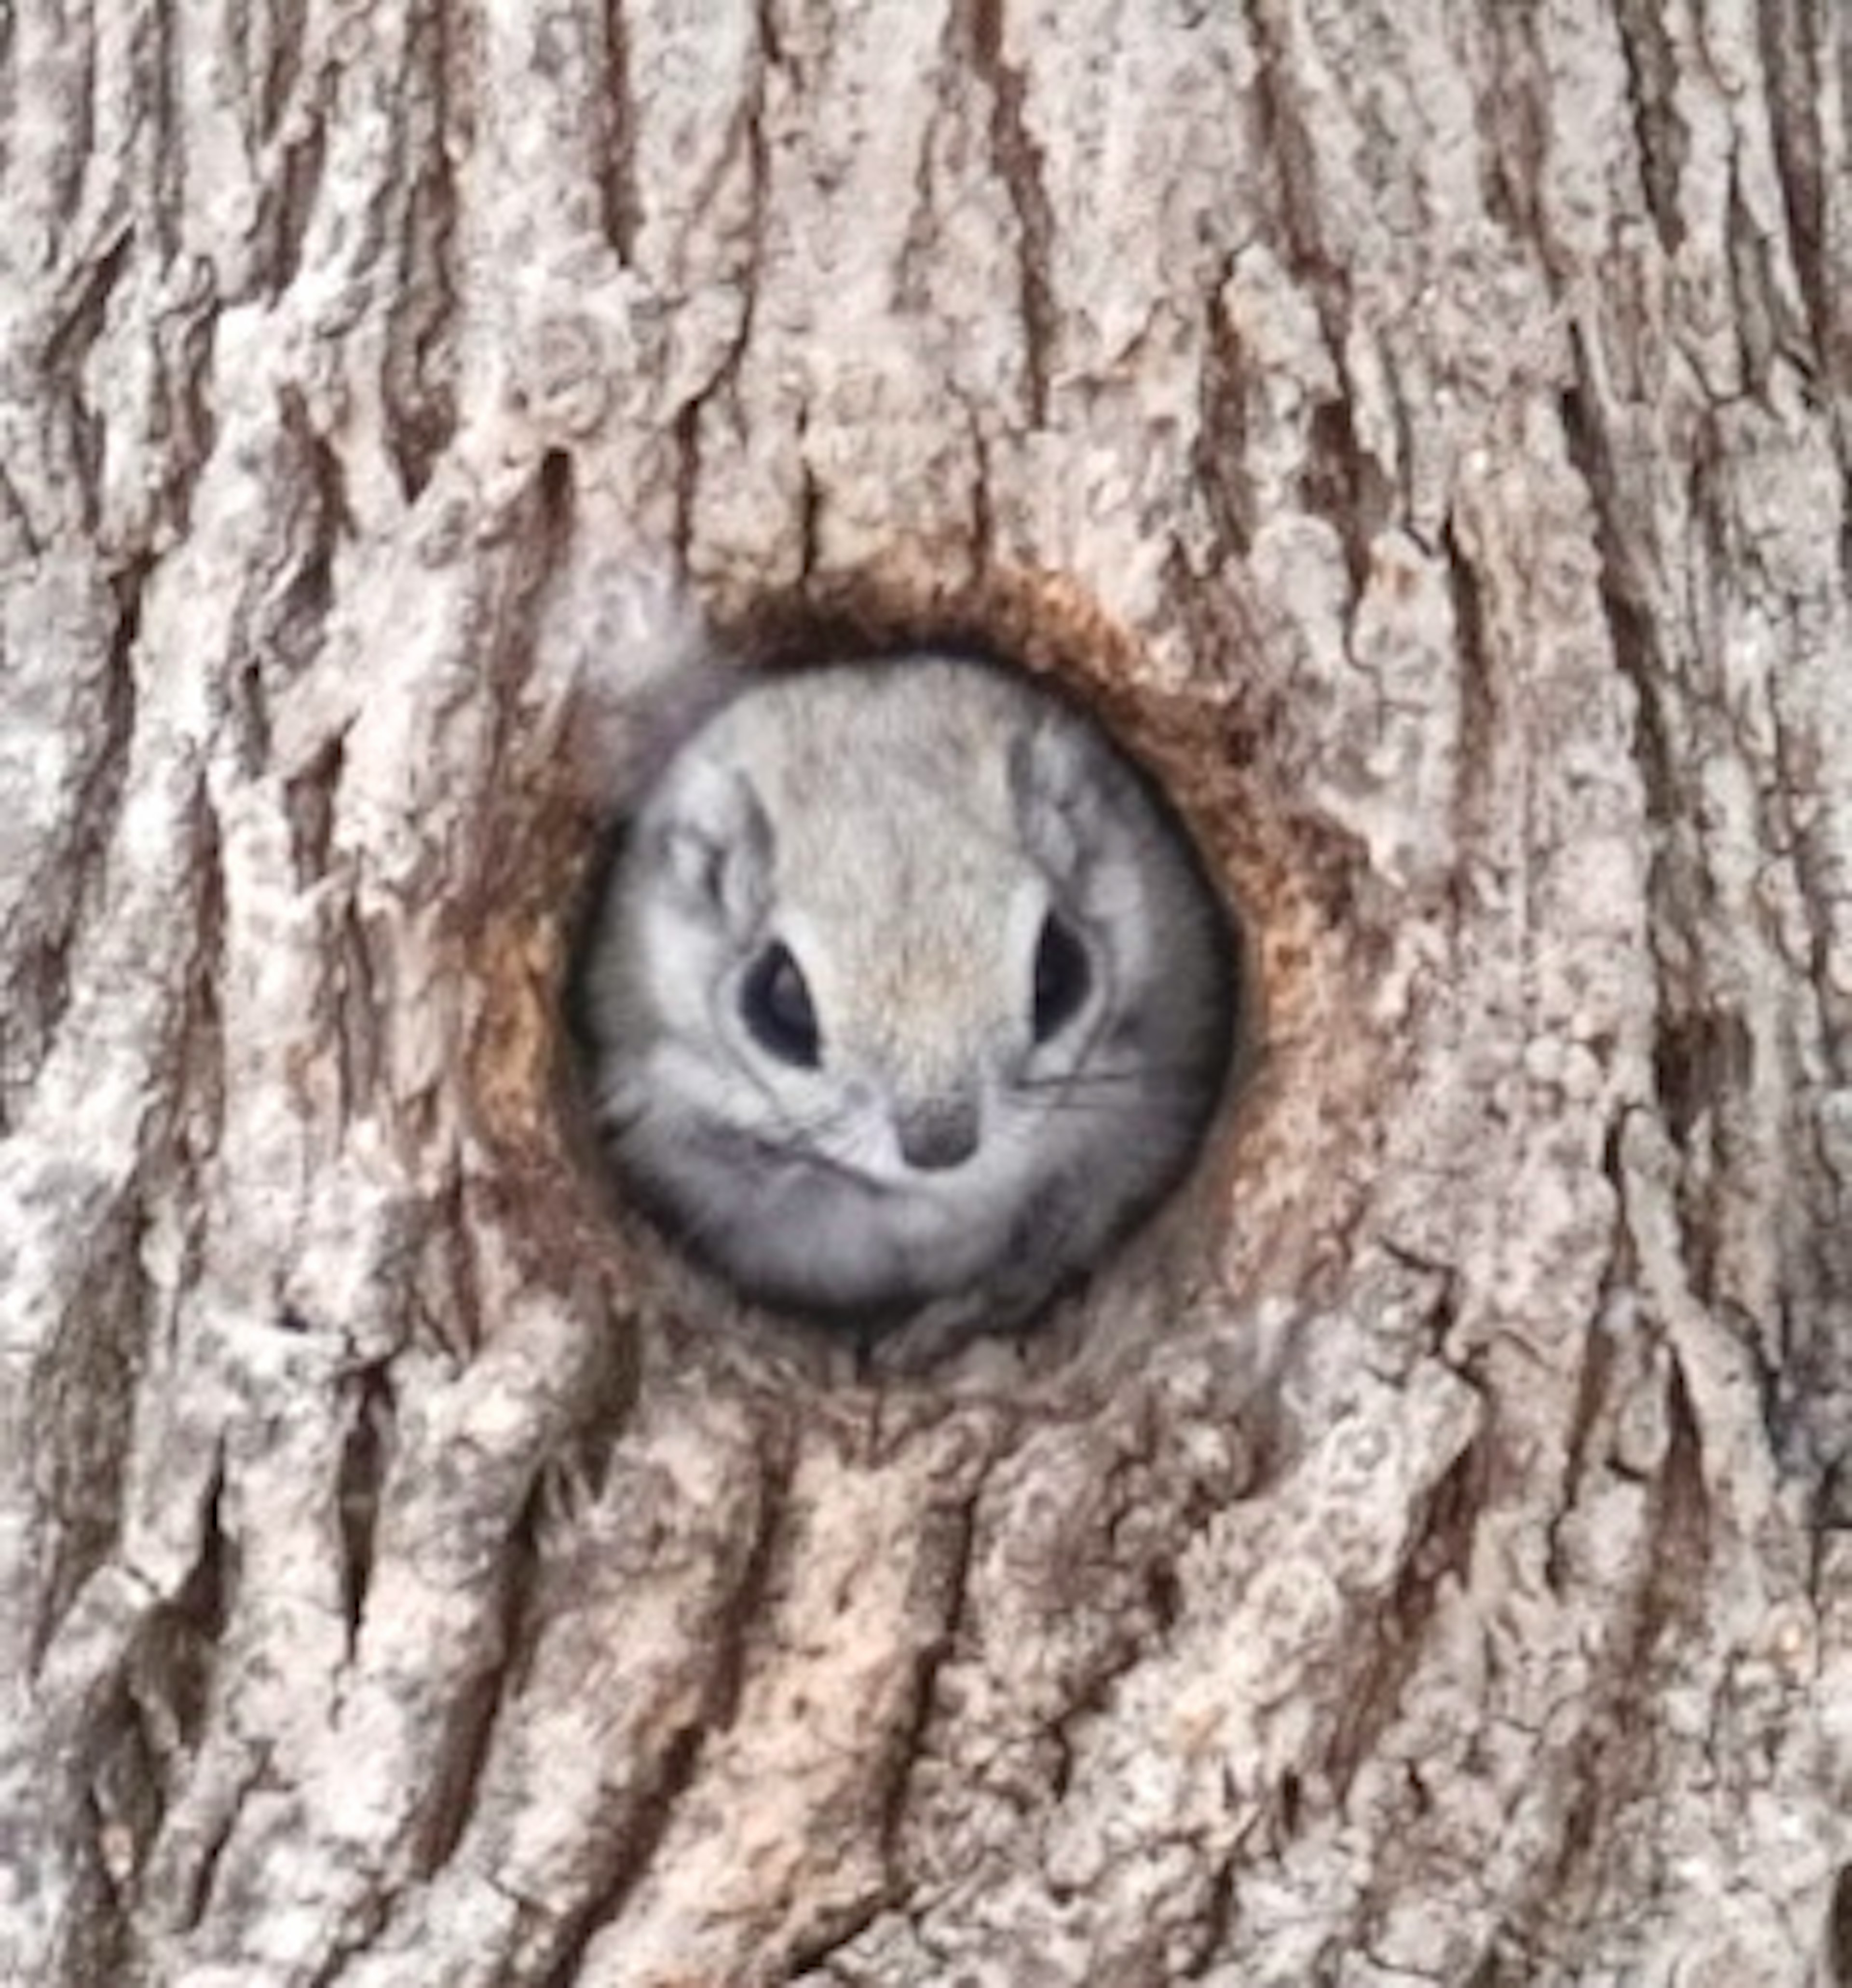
point(903, 828)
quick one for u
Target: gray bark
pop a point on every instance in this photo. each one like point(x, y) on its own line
point(1425, 430)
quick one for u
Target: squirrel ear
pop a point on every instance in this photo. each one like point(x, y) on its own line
point(1057, 775)
point(716, 847)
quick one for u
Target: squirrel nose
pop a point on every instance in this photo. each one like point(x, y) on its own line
point(938, 1135)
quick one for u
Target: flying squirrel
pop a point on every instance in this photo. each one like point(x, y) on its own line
point(905, 997)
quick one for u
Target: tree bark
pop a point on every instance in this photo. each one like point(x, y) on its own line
point(1425, 432)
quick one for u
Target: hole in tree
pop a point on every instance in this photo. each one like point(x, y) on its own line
point(904, 995)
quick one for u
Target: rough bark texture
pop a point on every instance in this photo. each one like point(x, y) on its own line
point(1426, 428)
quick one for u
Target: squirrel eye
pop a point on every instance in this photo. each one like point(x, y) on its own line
point(1064, 977)
point(776, 1006)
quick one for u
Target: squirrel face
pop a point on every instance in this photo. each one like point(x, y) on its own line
point(904, 993)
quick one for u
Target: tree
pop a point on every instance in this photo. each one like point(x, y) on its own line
point(1425, 433)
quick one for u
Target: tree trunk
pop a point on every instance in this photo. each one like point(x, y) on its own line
point(1425, 432)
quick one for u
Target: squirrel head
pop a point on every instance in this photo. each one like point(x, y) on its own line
point(907, 945)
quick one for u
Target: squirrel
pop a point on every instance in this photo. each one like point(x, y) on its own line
point(904, 997)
